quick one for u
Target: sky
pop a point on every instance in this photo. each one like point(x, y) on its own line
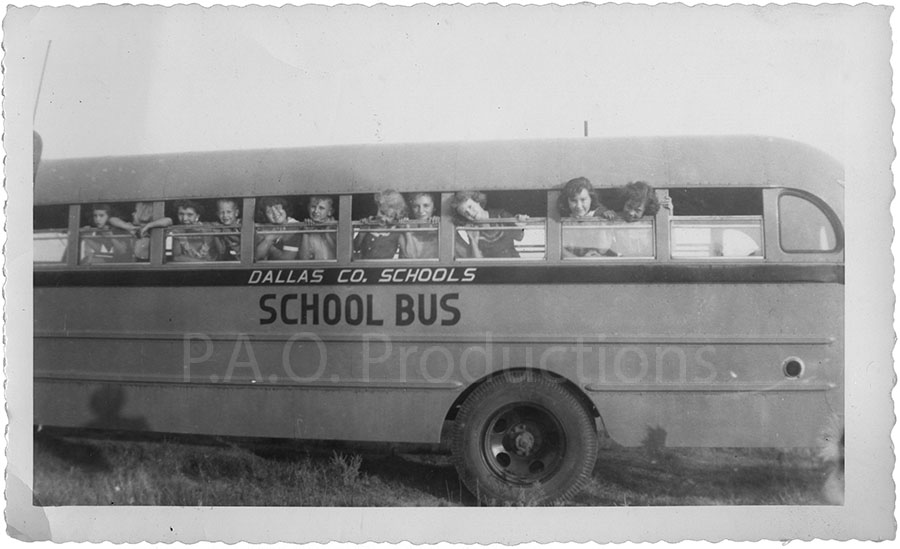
point(140, 80)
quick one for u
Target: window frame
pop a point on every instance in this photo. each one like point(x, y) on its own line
point(535, 221)
point(248, 241)
point(673, 220)
point(823, 208)
point(73, 213)
point(663, 227)
point(599, 222)
point(355, 229)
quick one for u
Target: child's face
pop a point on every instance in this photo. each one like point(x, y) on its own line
point(228, 212)
point(471, 210)
point(580, 204)
point(633, 210)
point(388, 212)
point(99, 218)
point(320, 210)
point(188, 216)
point(423, 208)
point(276, 214)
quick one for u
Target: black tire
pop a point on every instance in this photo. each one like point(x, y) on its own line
point(523, 437)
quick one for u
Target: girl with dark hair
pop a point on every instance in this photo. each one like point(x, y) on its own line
point(578, 200)
point(640, 200)
point(274, 246)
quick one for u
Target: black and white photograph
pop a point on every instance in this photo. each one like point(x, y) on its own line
point(449, 273)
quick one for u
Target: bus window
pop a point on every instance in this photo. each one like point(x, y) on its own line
point(281, 237)
point(710, 236)
point(228, 239)
point(500, 224)
point(596, 238)
point(803, 226)
point(103, 237)
point(389, 225)
point(607, 223)
point(126, 236)
point(204, 230)
point(716, 223)
point(50, 239)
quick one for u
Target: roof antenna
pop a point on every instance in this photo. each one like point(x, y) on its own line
point(37, 142)
point(585, 128)
point(41, 82)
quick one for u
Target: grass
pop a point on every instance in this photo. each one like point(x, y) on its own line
point(90, 468)
point(212, 472)
point(705, 476)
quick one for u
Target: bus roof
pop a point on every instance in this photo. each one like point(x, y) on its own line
point(746, 161)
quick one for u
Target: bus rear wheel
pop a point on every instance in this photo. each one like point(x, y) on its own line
point(523, 437)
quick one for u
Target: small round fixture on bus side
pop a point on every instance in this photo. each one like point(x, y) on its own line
point(792, 367)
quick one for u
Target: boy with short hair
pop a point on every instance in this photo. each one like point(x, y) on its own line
point(192, 248)
point(228, 244)
point(318, 246)
point(96, 248)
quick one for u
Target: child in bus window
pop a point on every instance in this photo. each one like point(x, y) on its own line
point(192, 248)
point(98, 247)
point(319, 245)
point(381, 245)
point(421, 244)
point(639, 201)
point(470, 208)
point(276, 246)
point(228, 243)
point(142, 223)
point(579, 200)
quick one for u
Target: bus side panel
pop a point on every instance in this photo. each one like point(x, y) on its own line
point(278, 412)
point(747, 419)
point(702, 361)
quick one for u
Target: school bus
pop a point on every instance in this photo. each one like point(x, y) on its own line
point(723, 327)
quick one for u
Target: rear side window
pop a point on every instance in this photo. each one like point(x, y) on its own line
point(803, 226)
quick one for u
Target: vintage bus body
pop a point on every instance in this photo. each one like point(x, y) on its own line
point(695, 351)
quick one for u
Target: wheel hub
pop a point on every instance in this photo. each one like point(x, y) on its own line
point(524, 440)
point(523, 444)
